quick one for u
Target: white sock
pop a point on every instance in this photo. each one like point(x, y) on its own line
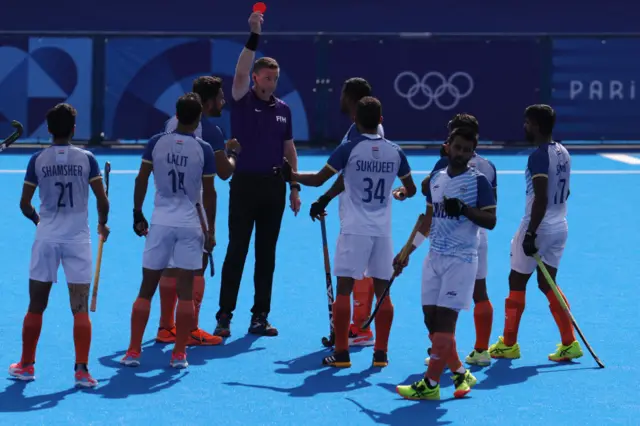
point(432, 383)
point(461, 370)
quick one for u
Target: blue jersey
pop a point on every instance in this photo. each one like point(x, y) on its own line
point(210, 134)
point(457, 236)
point(550, 160)
point(370, 164)
point(180, 161)
point(63, 174)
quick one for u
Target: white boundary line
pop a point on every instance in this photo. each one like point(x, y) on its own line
point(623, 158)
point(415, 172)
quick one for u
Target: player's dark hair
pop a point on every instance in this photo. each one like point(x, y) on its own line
point(61, 120)
point(542, 115)
point(369, 113)
point(356, 88)
point(188, 108)
point(465, 133)
point(464, 120)
point(207, 87)
point(265, 63)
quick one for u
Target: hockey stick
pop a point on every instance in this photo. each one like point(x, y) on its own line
point(13, 137)
point(204, 226)
point(556, 291)
point(96, 277)
point(404, 253)
point(327, 341)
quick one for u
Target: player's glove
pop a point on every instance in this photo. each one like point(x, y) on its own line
point(318, 207)
point(140, 224)
point(454, 207)
point(529, 244)
point(34, 217)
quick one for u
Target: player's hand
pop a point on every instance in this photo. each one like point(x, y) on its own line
point(317, 210)
point(34, 217)
point(400, 194)
point(140, 224)
point(104, 231)
point(255, 22)
point(294, 201)
point(454, 207)
point(233, 145)
point(209, 241)
point(286, 171)
point(398, 266)
point(529, 244)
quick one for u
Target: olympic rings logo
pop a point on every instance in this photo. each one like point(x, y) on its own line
point(444, 86)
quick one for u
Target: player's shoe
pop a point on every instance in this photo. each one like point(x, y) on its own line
point(426, 360)
point(566, 353)
point(260, 326)
point(179, 360)
point(223, 328)
point(131, 359)
point(482, 359)
point(338, 360)
point(360, 337)
point(166, 335)
point(26, 373)
point(380, 359)
point(463, 383)
point(199, 337)
point(500, 350)
point(84, 379)
point(419, 390)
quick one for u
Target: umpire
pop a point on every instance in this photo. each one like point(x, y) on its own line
point(262, 124)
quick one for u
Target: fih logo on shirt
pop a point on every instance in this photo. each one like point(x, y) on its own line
point(281, 119)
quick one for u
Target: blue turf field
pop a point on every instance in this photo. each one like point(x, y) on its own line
point(279, 380)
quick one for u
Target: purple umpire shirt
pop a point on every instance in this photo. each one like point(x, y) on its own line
point(261, 128)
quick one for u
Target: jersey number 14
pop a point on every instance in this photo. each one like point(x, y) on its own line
point(177, 181)
point(373, 191)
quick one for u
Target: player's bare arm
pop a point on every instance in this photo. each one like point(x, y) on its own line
point(540, 201)
point(291, 154)
point(140, 224)
point(408, 186)
point(421, 235)
point(103, 207)
point(226, 161)
point(308, 179)
point(209, 200)
point(28, 190)
point(242, 76)
point(425, 185)
point(484, 217)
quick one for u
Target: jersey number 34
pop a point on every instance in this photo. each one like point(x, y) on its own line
point(373, 191)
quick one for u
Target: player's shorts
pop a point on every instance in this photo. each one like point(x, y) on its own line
point(75, 257)
point(550, 248)
point(483, 254)
point(358, 256)
point(448, 281)
point(183, 246)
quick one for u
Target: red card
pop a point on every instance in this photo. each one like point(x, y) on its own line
point(260, 7)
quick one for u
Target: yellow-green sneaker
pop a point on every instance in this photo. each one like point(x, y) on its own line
point(419, 390)
point(500, 350)
point(463, 383)
point(482, 359)
point(566, 353)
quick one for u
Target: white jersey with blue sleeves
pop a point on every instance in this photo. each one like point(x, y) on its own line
point(370, 165)
point(63, 173)
point(484, 166)
point(180, 161)
point(212, 135)
point(457, 236)
point(353, 133)
point(550, 160)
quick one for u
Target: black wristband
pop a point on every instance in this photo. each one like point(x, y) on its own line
point(252, 43)
point(295, 186)
point(232, 154)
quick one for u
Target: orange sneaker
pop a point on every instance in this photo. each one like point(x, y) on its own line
point(200, 337)
point(166, 336)
point(360, 337)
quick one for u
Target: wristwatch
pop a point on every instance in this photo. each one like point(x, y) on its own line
point(295, 186)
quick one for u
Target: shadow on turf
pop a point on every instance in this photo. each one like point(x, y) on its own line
point(309, 362)
point(426, 413)
point(13, 400)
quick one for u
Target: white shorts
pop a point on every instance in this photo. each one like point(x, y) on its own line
point(75, 258)
point(183, 246)
point(358, 256)
point(206, 225)
point(483, 254)
point(550, 248)
point(448, 281)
